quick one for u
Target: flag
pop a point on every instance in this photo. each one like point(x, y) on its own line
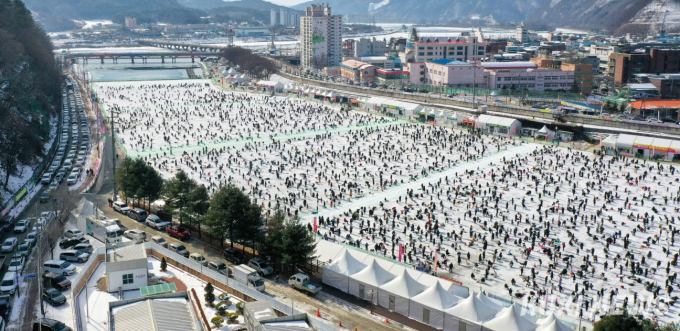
point(435, 261)
point(401, 251)
point(315, 226)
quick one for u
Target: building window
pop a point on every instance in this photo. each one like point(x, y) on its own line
point(128, 279)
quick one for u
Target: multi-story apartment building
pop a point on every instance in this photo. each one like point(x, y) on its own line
point(530, 79)
point(436, 48)
point(321, 38)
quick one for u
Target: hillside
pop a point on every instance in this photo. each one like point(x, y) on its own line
point(597, 15)
point(29, 90)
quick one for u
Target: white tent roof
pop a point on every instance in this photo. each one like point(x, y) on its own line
point(332, 94)
point(675, 145)
point(436, 297)
point(625, 140)
point(544, 130)
point(482, 297)
point(610, 141)
point(551, 323)
point(510, 319)
point(345, 264)
point(472, 309)
point(397, 103)
point(373, 274)
point(660, 142)
point(327, 251)
point(404, 285)
point(647, 141)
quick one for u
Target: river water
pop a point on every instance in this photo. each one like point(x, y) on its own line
point(124, 70)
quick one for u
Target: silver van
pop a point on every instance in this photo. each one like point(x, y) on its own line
point(59, 267)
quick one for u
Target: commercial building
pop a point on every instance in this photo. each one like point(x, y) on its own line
point(603, 52)
point(583, 76)
point(530, 79)
point(126, 268)
point(378, 61)
point(623, 66)
point(522, 34)
point(358, 72)
point(394, 77)
point(435, 48)
point(448, 73)
point(321, 38)
point(369, 47)
point(250, 32)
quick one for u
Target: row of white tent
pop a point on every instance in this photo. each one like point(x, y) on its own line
point(646, 146)
point(428, 299)
point(310, 91)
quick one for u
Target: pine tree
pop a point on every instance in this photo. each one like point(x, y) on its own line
point(209, 295)
point(164, 264)
point(297, 245)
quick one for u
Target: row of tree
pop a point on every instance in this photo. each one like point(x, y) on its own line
point(228, 214)
point(254, 65)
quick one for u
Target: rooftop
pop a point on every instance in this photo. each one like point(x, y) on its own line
point(449, 62)
point(656, 104)
point(165, 313)
point(129, 253)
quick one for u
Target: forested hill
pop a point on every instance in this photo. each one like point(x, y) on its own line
point(29, 88)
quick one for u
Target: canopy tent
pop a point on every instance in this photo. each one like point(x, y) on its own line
point(625, 141)
point(675, 147)
point(428, 307)
point(551, 323)
point(337, 273)
point(544, 130)
point(397, 293)
point(510, 319)
point(489, 302)
point(471, 311)
point(331, 94)
point(610, 142)
point(365, 283)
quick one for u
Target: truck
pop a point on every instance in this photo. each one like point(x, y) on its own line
point(178, 232)
point(103, 229)
point(301, 282)
point(248, 276)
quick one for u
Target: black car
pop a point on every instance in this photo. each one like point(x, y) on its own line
point(6, 223)
point(72, 242)
point(49, 324)
point(234, 256)
point(53, 296)
point(668, 120)
point(59, 282)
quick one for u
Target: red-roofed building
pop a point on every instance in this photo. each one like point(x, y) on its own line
point(656, 108)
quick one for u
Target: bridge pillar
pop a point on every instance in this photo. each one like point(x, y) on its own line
point(115, 60)
point(102, 59)
point(192, 59)
point(144, 60)
point(133, 59)
point(174, 60)
point(84, 60)
point(162, 59)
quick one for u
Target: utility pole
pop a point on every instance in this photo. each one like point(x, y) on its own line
point(113, 157)
point(474, 84)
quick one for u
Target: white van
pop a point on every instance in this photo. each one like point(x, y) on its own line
point(9, 283)
point(59, 267)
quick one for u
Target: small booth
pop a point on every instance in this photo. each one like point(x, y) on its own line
point(544, 134)
point(428, 307)
point(432, 116)
point(269, 86)
point(642, 146)
point(528, 132)
point(501, 126)
point(609, 145)
point(396, 107)
point(551, 323)
point(660, 148)
point(674, 151)
point(454, 119)
point(624, 144)
point(564, 135)
point(366, 282)
point(468, 314)
point(510, 319)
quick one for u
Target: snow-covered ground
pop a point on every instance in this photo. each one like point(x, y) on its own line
point(388, 183)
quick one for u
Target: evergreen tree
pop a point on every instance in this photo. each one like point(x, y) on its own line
point(177, 192)
point(231, 210)
point(272, 244)
point(297, 244)
point(164, 264)
point(209, 295)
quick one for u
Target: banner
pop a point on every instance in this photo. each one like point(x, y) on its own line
point(315, 226)
point(401, 251)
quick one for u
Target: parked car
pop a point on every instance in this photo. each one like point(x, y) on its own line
point(47, 324)
point(59, 282)
point(154, 222)
point(6, 223)
point(17, 264)
point(72, 242)
point(21, 226)
point(73, 255)
point(24, 249)
point(9, 245)
point(72, 179)
point(45, 197)
point(135, 234)
point(121, 207)
point(31, 237)
point(220, 267)
point(159, 240)
point(9, 283)
point(234, 256)
point(198, 258)
point(73, 233)
point(84, 247)
point(59, 267)
point(261, 267)
point(179, 249)
point(178, 232)
point(138, 214)
point(53, 296)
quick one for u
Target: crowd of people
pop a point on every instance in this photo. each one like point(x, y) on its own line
point(571, 230)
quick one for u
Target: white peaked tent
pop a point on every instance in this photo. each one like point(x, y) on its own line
point(510, 319)
point(610, 142)
point(544, 130)
point(400, 290)
point(428, 307)
point(337, 273)
point(551, 323)
point(471, 312)
point(489, 302)
point(369, 279)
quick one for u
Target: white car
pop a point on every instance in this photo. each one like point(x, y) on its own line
point(74, 233)
point(135, 234)
point(121, 207)
point(17, 264)
point(9, 245)
point(72, 179)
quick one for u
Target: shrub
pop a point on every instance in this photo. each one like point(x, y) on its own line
point(240, 305)
point(232, 317)
point(217, 321)
point(221, 309)
point(224, 296)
